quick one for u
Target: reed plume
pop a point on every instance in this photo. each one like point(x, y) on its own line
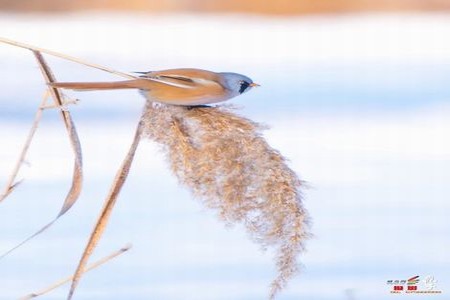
point(224, 160)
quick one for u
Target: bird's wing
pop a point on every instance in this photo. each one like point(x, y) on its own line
point(183, 78)
point(173, 80)
point(180, 78)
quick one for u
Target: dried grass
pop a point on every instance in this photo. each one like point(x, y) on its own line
point(77, 177)
point(69, 278)
point(106, 211)
point(225, 161)
point(12, 181)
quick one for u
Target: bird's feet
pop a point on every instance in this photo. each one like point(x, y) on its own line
point(190, 107)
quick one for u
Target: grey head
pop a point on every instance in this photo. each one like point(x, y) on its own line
point(236, 84)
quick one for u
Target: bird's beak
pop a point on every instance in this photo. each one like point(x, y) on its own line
point(254, 84)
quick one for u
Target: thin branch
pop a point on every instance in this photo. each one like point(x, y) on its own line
point(110, 201)
point(67, 279)
point(12, 184)
point(71, 58)
point(66, 102)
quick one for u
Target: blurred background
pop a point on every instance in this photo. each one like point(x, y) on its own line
point(284, 7)
point(356, 95)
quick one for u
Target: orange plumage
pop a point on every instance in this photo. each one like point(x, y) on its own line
point(176, 86)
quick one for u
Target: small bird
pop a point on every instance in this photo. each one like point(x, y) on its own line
point(185, 87)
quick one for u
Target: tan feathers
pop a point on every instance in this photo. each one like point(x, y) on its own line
point(186, 87)
point(86, 86)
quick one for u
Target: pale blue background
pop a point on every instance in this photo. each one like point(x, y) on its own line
point(359, 104)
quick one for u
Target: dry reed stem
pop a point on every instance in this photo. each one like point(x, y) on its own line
point(64, 56)
point(69, 278)
point(11, 184)
point(225, 161)
point(110, 201)
point(77, 177)
point(75, 189)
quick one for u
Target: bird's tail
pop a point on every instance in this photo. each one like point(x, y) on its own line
point(112, 85)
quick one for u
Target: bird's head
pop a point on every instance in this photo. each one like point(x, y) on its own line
point(236, 83)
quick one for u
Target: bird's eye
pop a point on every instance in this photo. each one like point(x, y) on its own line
point(244, 86)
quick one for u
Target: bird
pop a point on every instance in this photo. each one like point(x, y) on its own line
point(183, 87)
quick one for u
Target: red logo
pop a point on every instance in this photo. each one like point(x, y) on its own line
point(414, 285)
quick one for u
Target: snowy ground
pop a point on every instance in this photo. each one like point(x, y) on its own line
point(359, 104)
